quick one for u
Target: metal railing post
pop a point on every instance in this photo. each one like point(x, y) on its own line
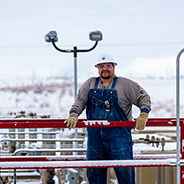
point(179, 174)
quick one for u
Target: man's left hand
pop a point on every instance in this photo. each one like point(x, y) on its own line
point(141, 121)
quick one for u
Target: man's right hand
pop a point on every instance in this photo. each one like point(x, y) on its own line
point(71, 121)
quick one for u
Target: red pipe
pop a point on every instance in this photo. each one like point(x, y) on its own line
point(59, 123)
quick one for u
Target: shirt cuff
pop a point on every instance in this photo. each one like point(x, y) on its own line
point(73, 112)
point(145, 110)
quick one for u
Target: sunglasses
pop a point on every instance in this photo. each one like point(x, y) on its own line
point(105, 65)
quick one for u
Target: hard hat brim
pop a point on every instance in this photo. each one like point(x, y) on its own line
point(101, 62)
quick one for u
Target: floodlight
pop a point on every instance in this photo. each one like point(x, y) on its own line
point(51, 36)
point(95, 36)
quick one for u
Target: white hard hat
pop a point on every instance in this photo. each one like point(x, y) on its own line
point(105, 58)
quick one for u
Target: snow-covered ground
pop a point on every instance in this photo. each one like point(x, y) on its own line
point(54, 96)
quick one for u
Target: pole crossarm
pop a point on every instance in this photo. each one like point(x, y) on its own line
point(82, 123)
point(77, 50)
point(88, 164)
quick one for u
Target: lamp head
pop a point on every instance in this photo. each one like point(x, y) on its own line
point(51, 36)
point(95, 35)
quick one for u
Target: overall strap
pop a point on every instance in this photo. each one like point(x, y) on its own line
point(114, 82)
point(96, 82)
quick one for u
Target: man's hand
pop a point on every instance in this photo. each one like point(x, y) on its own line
point(141, 121)
point(71, 121)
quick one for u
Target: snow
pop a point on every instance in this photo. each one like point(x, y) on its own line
point(142, 147)
point(83, 164)
point(30, 182)
point(23, 173)
point(55, 95)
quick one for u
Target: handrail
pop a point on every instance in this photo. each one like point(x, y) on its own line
point(82, 123)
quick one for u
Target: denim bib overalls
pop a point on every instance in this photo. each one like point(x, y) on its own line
point(108, 143)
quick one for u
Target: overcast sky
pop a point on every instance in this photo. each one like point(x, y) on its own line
point(143, 36)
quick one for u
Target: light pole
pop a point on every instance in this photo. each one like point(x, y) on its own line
point(93, 36)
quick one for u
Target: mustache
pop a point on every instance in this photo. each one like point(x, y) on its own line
point(105, 71)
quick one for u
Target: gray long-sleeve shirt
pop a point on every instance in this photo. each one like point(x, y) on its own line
point(129, 93)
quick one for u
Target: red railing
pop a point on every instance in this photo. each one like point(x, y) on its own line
point(59, 123)
point(77, 162)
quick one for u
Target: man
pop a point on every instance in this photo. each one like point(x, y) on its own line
point(109, 97)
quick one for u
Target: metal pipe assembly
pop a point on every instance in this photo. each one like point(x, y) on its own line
point(80, 162)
